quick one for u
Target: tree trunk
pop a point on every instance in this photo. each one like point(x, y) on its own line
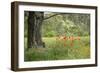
point(35, 20)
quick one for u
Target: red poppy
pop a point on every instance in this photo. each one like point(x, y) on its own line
point(64, 37)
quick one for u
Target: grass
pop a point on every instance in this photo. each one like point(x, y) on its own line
point(56, 50)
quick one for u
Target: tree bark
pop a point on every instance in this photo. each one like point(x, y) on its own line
point(35, 20)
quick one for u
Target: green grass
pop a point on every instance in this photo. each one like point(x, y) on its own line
point(56, 50)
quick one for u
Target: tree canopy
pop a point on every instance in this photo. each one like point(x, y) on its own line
point(70, 24)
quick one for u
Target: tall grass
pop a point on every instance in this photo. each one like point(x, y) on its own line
point(56, 50)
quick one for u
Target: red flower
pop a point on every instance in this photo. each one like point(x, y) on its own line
point(64, 37)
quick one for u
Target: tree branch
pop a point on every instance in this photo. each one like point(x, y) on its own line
point(51, 16)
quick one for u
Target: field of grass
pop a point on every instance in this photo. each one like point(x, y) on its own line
point(59, 50)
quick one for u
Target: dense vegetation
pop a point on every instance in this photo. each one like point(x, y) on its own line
point(69, 24)
point(55, 27)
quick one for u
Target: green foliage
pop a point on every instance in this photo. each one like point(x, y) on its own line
point(69, 24)
point(55, 50)
point(63, 23)
point(50, 34)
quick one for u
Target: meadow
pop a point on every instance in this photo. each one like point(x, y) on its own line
point(58, 49)
point(66, 36)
